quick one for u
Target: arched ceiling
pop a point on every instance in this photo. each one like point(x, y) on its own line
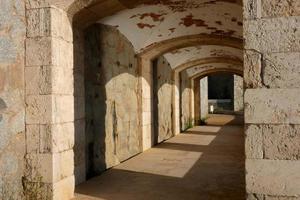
point(214, 67)
point(157, 21)
point(184, 55)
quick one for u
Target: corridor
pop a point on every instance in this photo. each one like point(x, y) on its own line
point(204, 163)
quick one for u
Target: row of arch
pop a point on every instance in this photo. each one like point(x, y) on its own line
point(82, 13)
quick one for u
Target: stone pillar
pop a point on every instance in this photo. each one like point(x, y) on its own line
point(146, 101)
point(204, 97)
point(176, 103)
point(197, 101)
point(238, 93)
point(272, 103)
point(49, 105)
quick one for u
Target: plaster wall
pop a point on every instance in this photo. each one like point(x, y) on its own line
point(162, 100)
point(112, 99)
point(12, 94)
point(185, 101)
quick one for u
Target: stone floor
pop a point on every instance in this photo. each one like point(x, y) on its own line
point(204, 163)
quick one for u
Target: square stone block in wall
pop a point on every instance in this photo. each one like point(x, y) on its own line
point(271, 177)
point(252, 69)
point(272, 106)
point(63, 108)
point(253, 142)
point(39, 51)
point(63, 165)
point(281, 70)
point(49, 22)
point(64, 189)
point(280, 8)
point(281, 142)
point(261, 34)
point(39, 109)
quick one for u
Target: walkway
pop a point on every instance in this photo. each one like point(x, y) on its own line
point(204, 163)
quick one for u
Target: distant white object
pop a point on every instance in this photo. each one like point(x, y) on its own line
point(211, 109)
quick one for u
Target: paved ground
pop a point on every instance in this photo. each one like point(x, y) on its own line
point(205, 163)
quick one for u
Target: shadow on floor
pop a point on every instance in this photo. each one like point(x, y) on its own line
point(205, 163)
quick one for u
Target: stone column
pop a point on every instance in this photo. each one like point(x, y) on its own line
point(49, 105)
point(238, 93)
point(146, 100)
point(204, 97)
point(197, 101)
point(176, 103)
point(272, 103)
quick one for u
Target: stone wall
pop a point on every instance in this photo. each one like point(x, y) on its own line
point(12, 111)
point(238, 93)
point(162, 100)
point(185, 101)
point(112, 101)
point(272, 43)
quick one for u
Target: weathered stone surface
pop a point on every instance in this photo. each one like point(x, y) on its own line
point(185, 90)
point(238, 93)
point(272, 106)
point(64, 189)
point(281, 198)
point(255, 197)
point(281, 70)
point(253, 142)
point(279, 8)
point(162, 100)
point(281, 142)
point(261, 34)
point(252, 69)
point(270, 177)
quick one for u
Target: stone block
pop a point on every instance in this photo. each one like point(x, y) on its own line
point(32, 139)
point(63, 108)
point(272, 106)
point(253, 142)
point(39, 168)
point(281, 142)
point(252, 9)
point(281, 70)
point(38, 80)
point(271, 177)
point(39, 51)
point(260, 35)
point(63, 165)
point(62, 80)
point(62, 137)
point(39, 109)
point(64, 189)
point(252, 69)
point(39, 22)
point(49, 22)
point(280, 8)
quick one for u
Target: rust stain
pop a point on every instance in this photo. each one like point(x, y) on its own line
point(143, 25)
point(172, 30)
point(190, 21)
point(155, 17)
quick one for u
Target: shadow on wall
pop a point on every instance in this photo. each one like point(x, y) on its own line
point(208, 165)
point(107, 101)
point(3, 107)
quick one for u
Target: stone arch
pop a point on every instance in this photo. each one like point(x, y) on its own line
point(209, 60)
